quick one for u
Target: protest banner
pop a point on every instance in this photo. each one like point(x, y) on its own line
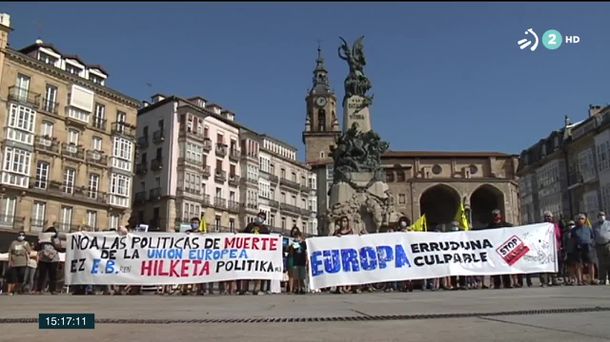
point(374, 258)
point(104, 258)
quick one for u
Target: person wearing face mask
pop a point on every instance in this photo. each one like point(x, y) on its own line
point(570, 259)
point(404, 225)
point(601, 231)
point(19, 253)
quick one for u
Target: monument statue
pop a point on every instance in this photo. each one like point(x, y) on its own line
point(359, 190)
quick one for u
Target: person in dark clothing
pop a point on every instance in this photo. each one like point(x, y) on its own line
point(498, 221)
point(258, 226)
point(583, 239)
point(298, 251)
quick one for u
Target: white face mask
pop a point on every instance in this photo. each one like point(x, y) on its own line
point(259, 220)
point(602, 218)
point(403, 224)
point(21, 238)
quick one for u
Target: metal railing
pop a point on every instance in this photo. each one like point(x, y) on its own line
point(24, 96)
point(73, 151)
point(45, 144)
point(156, 164)
point(234, 206)
point(50, 106)
point(233, 180)
point(99, 123)
point(158, 136)
point(289, 183)
point(143, 142)
point(97, 157)
point(220, 176)
point(220, 203)
point(154, 194)
point(234, 154)
point(123, 128)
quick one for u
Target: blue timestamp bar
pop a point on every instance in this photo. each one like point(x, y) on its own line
point(66, 321)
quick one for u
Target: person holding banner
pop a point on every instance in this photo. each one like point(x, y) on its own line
point(550, 278)
point(19, 253)
point(344, 229)
point(404, 225)
point(499, 222)
point(256, 227)
point(48, 259)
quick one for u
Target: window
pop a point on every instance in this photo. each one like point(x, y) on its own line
point(46, 58)
point(96, 79)
point(23, 87)
point(194, 152)
point(283, 223)
point(218, 166)
point(17, 161)
point(389, 176)
point(9, 209)
point(401, 199)
point(145, 132)
point(294, 200)
point(21, 124)
point(119, 184)
point(232, 224)
point(69, 177)
point(92, 219)
point(47, 129)
point(121, 116)
point(283, 197)
point(74, 70)
point(218, 193)
point(94, 185)
point(96, 144)
point(38, 215)
point(66, 218)
point(400, 176)
point(99, 120)
point(42, 175)
point(113, 221)
point(122, 148)
point(73, 136)
point(206, 132)
point(219, 138)
point(189, 123)
point(78, 114)
point(283, 173)
point(217, 223)
point(294, 177)
point(232, 170)
point(232, 196)
point(50, 99)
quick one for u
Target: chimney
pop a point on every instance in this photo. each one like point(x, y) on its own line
point(594, 110)
point(157, 98)
point(198, 101)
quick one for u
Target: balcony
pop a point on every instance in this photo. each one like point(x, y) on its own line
point(83, 193)
point(50, 106)
point(73, 151)
point(234, 207)
point(189, 133)
point(99, 123)
point(97, 157)
point(207, 144)
point(274, 204)
point(123, 128)
point(192, 191)
point(206, 200)
point(67, 227)
point(37, 225)
point(206, 171)
point(306, 188)
point(220, 176)
point(154, 194)
point(220, 203)
point(143, 142)
point(45, 144)
point(221, 150)
point(139, 197)
point(234, 154)
point(271, 177)
point(24, 96)
point(291, 208)
point(195, 162)
point(233, 180)
point(306, 212)
point(12, 222)
point(156, 164)
point(289, 183)
point(158, 137)
point(141, 169)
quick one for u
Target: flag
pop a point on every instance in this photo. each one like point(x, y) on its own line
point(588, 223)
point(461, 219)
point(420, 225)
point(203, 226)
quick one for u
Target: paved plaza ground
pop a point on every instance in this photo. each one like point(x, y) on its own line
point(564, 314)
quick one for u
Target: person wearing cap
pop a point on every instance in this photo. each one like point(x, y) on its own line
point(498, 221)
point(601, 231)
point(583, 239)
point(570, 258)
point(552, 277)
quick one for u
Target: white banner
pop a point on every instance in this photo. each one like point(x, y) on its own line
point(170, 258)
point(374, 258)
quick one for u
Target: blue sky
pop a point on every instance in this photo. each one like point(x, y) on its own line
point(446, 76)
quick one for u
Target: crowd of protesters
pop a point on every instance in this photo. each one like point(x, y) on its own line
point(583, 256)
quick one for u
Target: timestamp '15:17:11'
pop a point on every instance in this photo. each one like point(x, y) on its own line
point(66, 321)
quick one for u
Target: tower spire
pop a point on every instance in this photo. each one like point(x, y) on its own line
point(320, 75)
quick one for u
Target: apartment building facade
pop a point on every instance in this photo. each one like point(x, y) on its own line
point(569, 171)
point(68, 142)
point(188, 165)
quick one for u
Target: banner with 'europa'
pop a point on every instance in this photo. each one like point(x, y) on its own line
point(374, 258)
point(170, 258)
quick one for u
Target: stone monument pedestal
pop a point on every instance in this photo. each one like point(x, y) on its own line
point(355, 110)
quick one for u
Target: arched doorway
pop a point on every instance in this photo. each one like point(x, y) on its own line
point(483, 201)
point(439, 203)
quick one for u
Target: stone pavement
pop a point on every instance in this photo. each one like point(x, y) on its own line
point(475, 304)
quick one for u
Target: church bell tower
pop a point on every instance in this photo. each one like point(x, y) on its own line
point(321, 124)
